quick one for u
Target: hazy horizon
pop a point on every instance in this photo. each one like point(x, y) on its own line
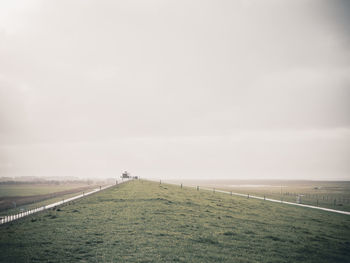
point(175, 89)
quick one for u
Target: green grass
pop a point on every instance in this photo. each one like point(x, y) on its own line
point(34, 189)
point(142, 221)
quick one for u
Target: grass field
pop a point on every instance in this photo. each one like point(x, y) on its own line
point(143, 221)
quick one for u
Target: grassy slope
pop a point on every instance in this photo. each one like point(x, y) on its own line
point(144, 222)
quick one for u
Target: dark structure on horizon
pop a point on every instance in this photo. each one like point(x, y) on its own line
point(126, 175)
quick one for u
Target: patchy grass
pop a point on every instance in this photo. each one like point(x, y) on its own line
point(142, 221)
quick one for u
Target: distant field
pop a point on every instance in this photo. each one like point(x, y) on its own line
point(328, 194)
point(143, 221)
point(34, 189)
point(38, 203)
point(14, 197)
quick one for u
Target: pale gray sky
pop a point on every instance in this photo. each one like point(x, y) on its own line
point(175, 89)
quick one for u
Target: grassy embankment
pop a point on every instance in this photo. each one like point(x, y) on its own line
point(143, 221)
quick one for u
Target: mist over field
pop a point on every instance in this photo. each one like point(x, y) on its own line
point(175, 89)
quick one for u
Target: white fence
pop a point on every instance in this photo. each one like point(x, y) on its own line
point(10, 218)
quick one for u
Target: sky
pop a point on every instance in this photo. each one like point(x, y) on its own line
point(175, 89)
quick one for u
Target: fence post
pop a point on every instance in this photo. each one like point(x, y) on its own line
point(248, 196)
point(231, 193)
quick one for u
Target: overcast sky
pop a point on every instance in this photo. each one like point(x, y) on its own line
point(175, 89)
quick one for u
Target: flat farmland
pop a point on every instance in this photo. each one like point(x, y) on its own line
point(142, 221)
